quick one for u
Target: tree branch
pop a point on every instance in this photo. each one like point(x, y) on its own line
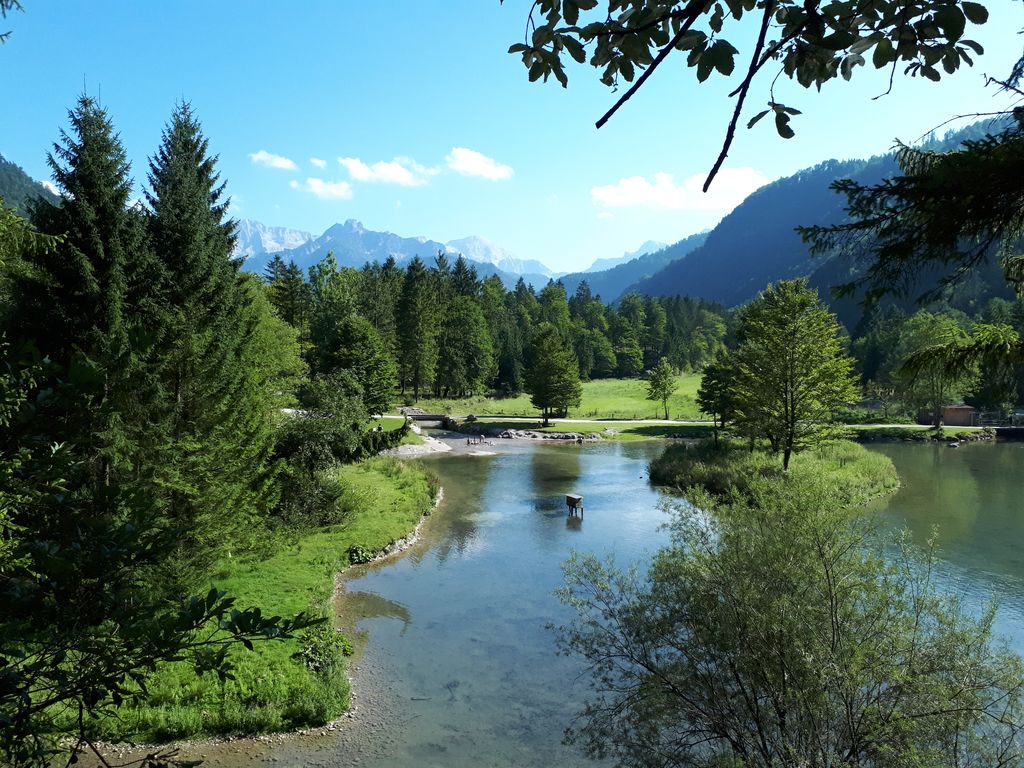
point(744, 88)
point(691, 13)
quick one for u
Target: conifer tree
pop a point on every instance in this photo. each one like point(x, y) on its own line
point(215, 468)
point(85, 303)
point(355, 347)
point(465, 281)
point(468, 359)
point(554, 379)
point(417, 328)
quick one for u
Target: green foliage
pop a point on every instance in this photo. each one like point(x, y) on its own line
point(354, 347)
point(80, 629)
point(323, 648)
point(418, 326)
point(662, 383)
point(272, 688)
point(811, 45)
point(466, 356)
point(947, 211)
point(790, 371)
point(852, 655)
point(715, 395)
point(926, 381)
point(553, 380)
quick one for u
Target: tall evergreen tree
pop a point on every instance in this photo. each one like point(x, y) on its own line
point(88, 299)
point(417, 328)
point(216, 467)
point(467, 358)
point(554, 379)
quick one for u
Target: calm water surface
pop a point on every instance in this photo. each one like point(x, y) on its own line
point(456, 630)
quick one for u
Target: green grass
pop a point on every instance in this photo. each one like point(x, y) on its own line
point(853, 473)
point(386, 498)
point(618, 430)
point(602, 399)
point(392, 423)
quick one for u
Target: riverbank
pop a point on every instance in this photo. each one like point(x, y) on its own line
point(275, 689)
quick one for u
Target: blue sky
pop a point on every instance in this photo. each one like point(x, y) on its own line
point(410, 116)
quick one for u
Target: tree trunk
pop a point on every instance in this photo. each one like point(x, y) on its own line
point(785, 458)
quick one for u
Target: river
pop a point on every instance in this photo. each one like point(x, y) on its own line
point(459, 666)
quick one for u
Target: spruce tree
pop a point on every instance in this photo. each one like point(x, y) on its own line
point(86, 303)
point(417, 329)
point(554, 378)
point(215, 466)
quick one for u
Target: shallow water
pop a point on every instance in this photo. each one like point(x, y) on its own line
point(460, 668)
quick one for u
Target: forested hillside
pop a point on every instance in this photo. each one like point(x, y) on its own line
point(757, 242)
point(612, 283)
point(17, 188)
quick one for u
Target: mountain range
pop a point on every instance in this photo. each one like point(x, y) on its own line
point(600, 265)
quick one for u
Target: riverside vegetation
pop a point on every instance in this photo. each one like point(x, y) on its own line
point(170, 524)
point(301, 682)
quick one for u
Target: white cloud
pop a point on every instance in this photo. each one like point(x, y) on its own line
point(318, 162)
point(325, 190)
point(403, 171)
point(604, 215)
point(469, 162)
point(728, 190)
point(273, 161)
point(51, 187)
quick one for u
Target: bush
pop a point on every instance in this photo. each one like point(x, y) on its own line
point(323, 648)
point(779, 630)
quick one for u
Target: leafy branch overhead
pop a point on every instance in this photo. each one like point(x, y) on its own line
point(812, 42)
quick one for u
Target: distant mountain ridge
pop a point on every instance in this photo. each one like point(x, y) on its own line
point(353, 245)
point(18, 189)
point(757, 243)
point(611, 284)
point(602, 265)
point(253, 238)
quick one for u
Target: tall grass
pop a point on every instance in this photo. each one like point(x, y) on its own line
point(854, 473)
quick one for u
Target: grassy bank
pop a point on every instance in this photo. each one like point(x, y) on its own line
point(602, 399)
point(855, 473)
point(385, 499)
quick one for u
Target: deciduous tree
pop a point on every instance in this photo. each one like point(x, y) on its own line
point(662, 383)
point(851, 657)
point(790, 371)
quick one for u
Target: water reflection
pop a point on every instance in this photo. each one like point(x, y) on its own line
point(970, 498)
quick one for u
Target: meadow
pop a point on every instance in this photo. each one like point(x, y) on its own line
point(602, 399)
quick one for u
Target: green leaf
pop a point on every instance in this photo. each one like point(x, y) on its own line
point(571, 12)
point(883, 54)
point(952, 22)
point(575, 48)
point(755, 118)
point(931, 73)
point(975, 12)
point(723, 55)
point(782, 125)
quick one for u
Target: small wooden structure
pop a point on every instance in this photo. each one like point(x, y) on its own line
point(575, 504)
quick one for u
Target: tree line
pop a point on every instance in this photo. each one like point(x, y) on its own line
point(441, 330)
